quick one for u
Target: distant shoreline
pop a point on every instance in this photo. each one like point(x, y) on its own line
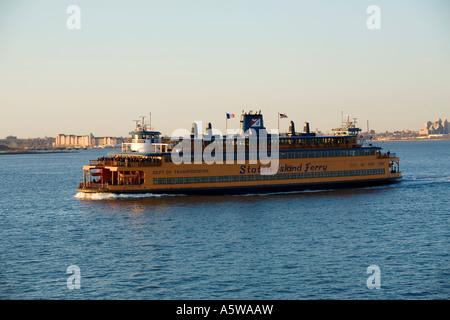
point(33, 152)
point(411, 139)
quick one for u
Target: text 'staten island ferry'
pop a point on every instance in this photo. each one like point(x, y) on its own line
point(248, 161)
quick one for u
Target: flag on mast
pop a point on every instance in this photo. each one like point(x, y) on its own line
point(230, 115)
point(283, 115)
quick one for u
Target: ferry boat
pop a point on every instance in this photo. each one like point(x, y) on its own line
point(305, 161)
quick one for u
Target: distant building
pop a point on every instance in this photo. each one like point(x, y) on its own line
point(14, 143)
point(437, 127)
point(87, 140)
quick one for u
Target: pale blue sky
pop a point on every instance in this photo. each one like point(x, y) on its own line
point(196, 60)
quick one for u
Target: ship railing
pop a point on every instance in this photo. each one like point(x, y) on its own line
point(114, 163)
point(88, 184)
point(386, 155)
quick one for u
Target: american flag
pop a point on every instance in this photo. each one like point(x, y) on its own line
point(283, 115)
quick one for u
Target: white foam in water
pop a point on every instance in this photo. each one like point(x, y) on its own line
point(110, 196)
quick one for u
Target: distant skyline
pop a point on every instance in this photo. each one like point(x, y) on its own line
point(187, 61)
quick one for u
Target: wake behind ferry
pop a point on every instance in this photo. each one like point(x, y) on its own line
point(148, 163)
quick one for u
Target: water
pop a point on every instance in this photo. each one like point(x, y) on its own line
point(307, 245)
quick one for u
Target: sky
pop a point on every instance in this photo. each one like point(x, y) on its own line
point(195, 60)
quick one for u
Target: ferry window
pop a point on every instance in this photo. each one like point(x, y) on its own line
point(187, 180)
point(212, 179)
point(220, 179)
point(170, 180)
point(226, 179)
point(178, 180)
point(161, 180)
point(204, 179)
point(242, 178)
point(155, 181)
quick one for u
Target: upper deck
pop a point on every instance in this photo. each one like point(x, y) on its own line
point(148, 148)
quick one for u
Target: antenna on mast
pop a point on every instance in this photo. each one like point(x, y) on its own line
point(150, 121)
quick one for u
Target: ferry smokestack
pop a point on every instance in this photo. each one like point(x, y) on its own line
point(306, 127)
point(194, 130)
point(209, 129)
point(292, 128)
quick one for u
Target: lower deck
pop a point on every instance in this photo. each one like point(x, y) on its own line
point(292, 175)
point(250, 189)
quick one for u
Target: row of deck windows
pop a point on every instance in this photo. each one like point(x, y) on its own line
point(304, 154)
point(258, 177)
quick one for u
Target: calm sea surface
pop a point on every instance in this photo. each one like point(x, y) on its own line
point(307, 245)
